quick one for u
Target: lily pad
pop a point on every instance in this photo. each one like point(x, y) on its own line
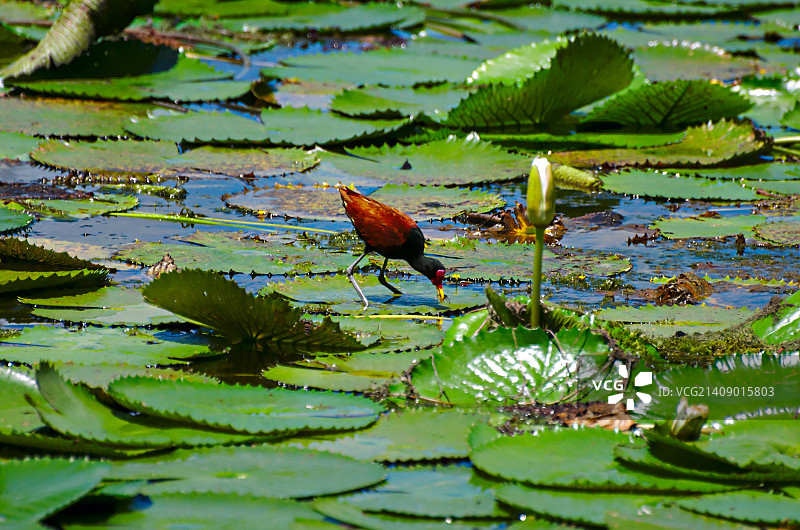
point(247, 409)
point(785, 327)
point(452, 491)
point(750, 506)
point(262, 471)
point(704, 145)
point(106, 306)
point(389, 102)
point(233, 251)
point(777, 171)
point(665, 61)
point(408, 69)
point(69, 209)
point(534, 367)
point(495, 261)
point(67, 117)
point(701, 227)
point(421, 434)
point(112, 157)
point(11, 220)
point(92, 345)
point(447, 162)
point(13, 281)
point(423, 203)
point(34, 489)
point(780, 232)
point(219, 8)
point(16, 145)
point(336, 294)
point(671, 186)
point(326, 18)
point(668, 320)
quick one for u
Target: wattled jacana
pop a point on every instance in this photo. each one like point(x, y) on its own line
point(393, 235)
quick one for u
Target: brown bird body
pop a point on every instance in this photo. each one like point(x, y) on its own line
point(393, 235)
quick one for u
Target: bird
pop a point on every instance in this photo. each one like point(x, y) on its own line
point(393, 235)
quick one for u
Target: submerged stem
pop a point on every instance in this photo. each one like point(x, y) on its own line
point(536, 284)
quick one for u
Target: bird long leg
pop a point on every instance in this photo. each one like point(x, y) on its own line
point(384, 281)
point(349, 272)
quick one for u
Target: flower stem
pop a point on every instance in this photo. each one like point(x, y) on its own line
point(536, 284)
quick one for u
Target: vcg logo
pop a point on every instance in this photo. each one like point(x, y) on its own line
point(641, 379)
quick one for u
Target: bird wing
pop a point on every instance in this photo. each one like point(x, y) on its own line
point(382, 227)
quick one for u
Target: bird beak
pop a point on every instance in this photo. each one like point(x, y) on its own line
point(440, 292)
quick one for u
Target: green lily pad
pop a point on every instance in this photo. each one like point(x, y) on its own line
point(643, 8)
point(785, 327)
point(466, 372)
point(16, 145)
point(106, 306)
point(775, 171)
point(247, 409)
point(421, 434)
point(447, 162)
point(286, 126)
point(74, 412)
point(336, 294)
point(701, 227)
point(533, 141)
point(672, 186)
point(495, 261)
point(784, 187)
point(584, 460)
point(69, 209)
point(233, 251)
point(451, 491)
point(203, 510)
point(93, 77)
point(112, 157)
point(219, 8)
point(67, 117)
point(408, 69)
point(326, 18)
point(394, 335)
point(665, 61)
point(34, 489)
point(667, 320)
point(750, 507)
point(390, 102)
point(92, 345)
point(13, 281)
point(11, 220)
point(360, 372)
point(792, 117)
point(514, 66)
point(423, 203)
point(213, 301)
point(780, 232)
point(588, 68)
point(671, 105)
point(704, 145)
point(262, 471)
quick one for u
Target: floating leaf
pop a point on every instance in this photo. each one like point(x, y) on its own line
point(106, 306)
point(211, 300)
point(519, 64)
point(422, 203)
point(91, 345)
point(34, 489)
point(420, 434)
point(780, 232)
point(19, 254)
point(336, 294)
point(326, 18)
point(13, 281)
point(220, 8)
point(451, 491)
point(588, 68)
point(68, 209)
point(263, 471)
point(448, 162)
point(388, 102)
point(532, 141)
point(11, 220)
point(671, 105)
point(407, 69)
point(584, 460)
point(643, 8)
point(784, 327)
point(776, 171)
point(466, 371)
point(74, 412)
point(16, 145)
point(672, 186)
point(750, 506)
point(740, 386)
point(203, 510)
point(235, 251)
point(666, 61)
point(249, 409)
point(106, 157)
point(697, 227)
point(704, 145)
point(67, 117)
point(668, 320)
